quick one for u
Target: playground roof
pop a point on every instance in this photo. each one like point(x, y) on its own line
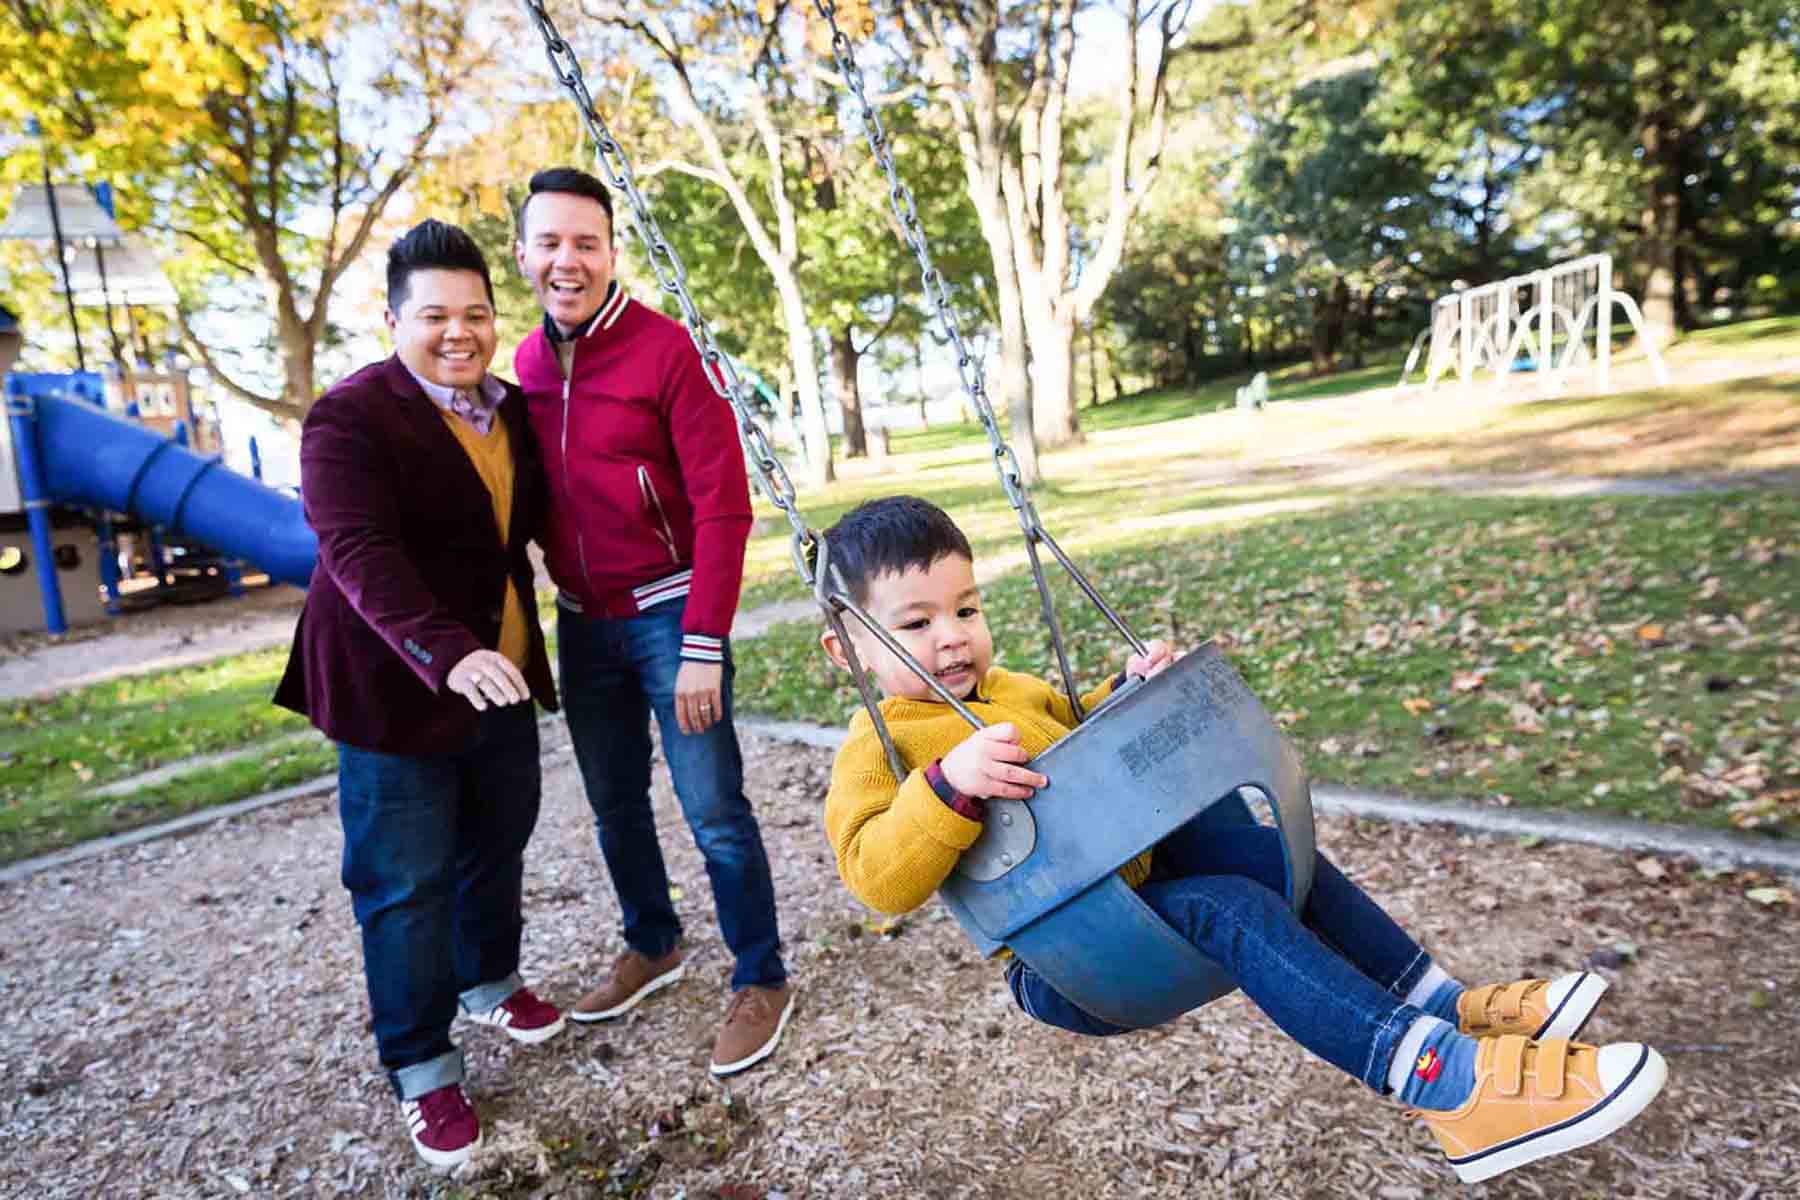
point(133, 276)
point(79, 214)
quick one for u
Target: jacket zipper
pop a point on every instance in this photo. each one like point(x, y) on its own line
point(568, 480)
point(667, 534)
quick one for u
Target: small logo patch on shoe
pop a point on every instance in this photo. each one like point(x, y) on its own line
point(1430, 1066)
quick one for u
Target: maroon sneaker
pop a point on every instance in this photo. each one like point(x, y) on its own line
point(523, 1017)
point(444, 1129)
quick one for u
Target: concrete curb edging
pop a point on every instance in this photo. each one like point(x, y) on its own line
point(1712, 847)
point(26, 868)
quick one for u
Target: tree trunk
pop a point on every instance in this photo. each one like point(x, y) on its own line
point(1661, 221)
point(1328, 326)
point(1051, 336)
point(919, 377)
point(1093, 355)
point(297, 368)
point(843, 373)
point(806, 380)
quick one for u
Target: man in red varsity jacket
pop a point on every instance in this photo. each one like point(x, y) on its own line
point(649, 510)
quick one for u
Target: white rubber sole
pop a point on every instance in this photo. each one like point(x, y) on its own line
point(446, 1160)
point(667, 979)
point(720, 1070)
point(1571, 1016)
point(529, 1037)
point(1626, 1101)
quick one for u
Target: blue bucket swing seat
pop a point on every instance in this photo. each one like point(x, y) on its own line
point(1187, 745)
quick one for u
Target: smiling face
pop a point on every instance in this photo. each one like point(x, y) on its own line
point(936, 615)
point(566, 252)
point(445, 330)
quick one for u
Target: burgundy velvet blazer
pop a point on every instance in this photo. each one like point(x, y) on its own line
point(411, 574)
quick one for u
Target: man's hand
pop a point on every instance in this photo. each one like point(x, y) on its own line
point(699, 702)
point(487, 677)
point(1153, 661)
point(986, 764)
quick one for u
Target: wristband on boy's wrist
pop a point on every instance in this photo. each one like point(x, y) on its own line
point(958, 803)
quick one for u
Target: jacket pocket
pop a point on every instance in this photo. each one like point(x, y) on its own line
point(653, 508)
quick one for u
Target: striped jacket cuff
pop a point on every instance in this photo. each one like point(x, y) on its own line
point(697, 647)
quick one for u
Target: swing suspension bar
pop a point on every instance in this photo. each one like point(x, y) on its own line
point(807, 546)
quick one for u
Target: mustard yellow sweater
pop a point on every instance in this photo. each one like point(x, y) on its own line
point(895, 843)
point(491, 454)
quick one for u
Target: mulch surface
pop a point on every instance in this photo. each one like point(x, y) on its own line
point(187, 1019)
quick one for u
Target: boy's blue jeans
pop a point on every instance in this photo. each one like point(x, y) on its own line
point(616, 673)
point(434, 858)
point(1333, 981)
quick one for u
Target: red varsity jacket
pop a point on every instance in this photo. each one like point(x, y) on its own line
point(649, 501)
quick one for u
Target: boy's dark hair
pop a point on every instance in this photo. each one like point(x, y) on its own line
point(432, 246)
point(571, 181)
point(891, 535)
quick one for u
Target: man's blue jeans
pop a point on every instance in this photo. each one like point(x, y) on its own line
point(616, 673)
point(434, 858)
point(1333, 982)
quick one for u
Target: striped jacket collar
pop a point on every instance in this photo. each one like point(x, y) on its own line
point(604, 317)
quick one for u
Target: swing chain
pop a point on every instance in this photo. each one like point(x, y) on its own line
point(771, 477)
point(900, 198)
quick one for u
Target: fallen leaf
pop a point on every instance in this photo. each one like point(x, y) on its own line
point(1768, 897)
point(1416, 705)
point(1650, 633)
point(1467, 681)
point(1651, 868)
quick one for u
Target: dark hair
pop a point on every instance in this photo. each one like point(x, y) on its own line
point(891, 535)
point(571, 181)
point(432, 246)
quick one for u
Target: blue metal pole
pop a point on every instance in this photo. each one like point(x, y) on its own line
point(109, 561)
point(21, 412)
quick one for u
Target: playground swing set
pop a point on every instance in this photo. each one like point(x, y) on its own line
point(1194, 743)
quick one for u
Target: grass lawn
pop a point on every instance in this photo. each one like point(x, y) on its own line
point(1636, 656)
point(56, 752)
point(1627, 654)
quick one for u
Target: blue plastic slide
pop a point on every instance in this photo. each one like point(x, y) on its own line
point(89, 457)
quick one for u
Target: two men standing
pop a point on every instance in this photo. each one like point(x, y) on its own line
point(419, 648)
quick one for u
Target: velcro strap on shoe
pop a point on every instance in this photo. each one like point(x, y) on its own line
point(1512, 1000)
point(1552, 1065)
point(1509, 1065)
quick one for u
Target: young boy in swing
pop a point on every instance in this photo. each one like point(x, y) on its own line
point(1491, 1070)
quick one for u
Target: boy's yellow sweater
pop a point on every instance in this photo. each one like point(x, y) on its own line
point(896, 843)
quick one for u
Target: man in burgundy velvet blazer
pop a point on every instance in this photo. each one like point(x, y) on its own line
point(419, 653)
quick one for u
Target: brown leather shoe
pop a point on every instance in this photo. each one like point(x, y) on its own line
point(753, 1024)
point(633, 977)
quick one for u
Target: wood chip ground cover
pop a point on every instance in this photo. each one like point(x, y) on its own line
point(187, 1019)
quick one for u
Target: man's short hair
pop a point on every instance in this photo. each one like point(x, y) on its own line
point(432, 246)
point(891, 534)
point(570, 181)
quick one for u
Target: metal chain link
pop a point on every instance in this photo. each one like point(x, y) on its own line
point(900, 198)
point(671, 274)
point(806, 545)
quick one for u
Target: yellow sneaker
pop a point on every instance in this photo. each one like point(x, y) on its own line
point(1536, 1099)
point(1533, 1008)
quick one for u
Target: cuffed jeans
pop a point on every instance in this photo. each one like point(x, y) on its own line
point(1333, 978)
point(434, 859)
point(616, 673)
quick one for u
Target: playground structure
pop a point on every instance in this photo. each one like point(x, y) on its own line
point(73, 475)
point(1561, 317)
point(93, 461)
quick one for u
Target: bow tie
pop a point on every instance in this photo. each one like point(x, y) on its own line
point(473, 408)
